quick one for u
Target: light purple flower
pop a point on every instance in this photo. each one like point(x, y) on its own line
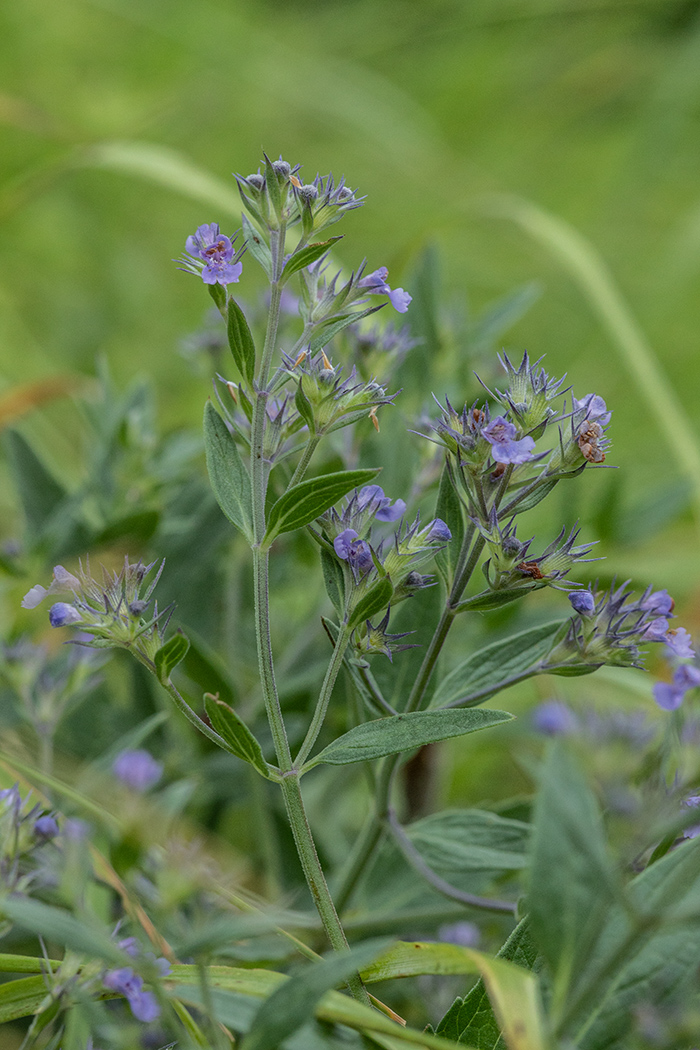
point(464, 934)
point(216, 250)
point(668, 696)
point(594, 408)
point(375, 283)
point(506, 449)
point(137, 769)
point(46, 828)
point(659, 602)
point(62, 581)
point(656, 631)
point(582, 602)
point(678, 640)
point(63, 615)
point(350, 548)
point(385, 509)
point(686, 676)
point(143, 1005)
point(554, 718)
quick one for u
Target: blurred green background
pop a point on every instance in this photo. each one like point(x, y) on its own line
point(122, 120)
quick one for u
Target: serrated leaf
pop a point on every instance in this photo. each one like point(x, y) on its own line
point(390, 736)
point(235, 732)
point(513, 991)
point(256, 245)
point(240, 341)
point(326, 333)
point(307, 256)
point(483, 673)
point(304, 502)
point(449, 510)
point(294, 1001)
point(572, 886)
point(39, 492)
point(334, 580)
point(227, 473)
point(376, 599)
point(170, 655)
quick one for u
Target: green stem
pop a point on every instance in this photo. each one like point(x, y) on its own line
point(265, 664)
point(313, 872)
point(310, 448)
point(325, 695)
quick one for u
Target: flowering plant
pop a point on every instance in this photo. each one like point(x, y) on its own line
point(581, 947)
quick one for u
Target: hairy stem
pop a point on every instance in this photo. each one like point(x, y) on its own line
point(309, 449)
point(324, 696)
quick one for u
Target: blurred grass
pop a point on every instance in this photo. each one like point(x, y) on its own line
point(121, 120)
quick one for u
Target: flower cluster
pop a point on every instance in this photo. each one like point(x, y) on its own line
point(24, 828)
point(110, 612)
point(609, 627)
point(510, 566)
point(325, 400)
point(276, 196)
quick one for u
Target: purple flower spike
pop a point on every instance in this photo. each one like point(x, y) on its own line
point(46, 828)
point(678, 640)
point(439, 532)
point(216, 250)
point(137, 769)
point(501, 435)
point(375, 283)
point(63, 615)
point(582, 602)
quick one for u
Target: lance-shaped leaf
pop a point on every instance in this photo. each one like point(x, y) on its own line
point(21, 998)
point(170, 655)
point(449, 510)
point(334, 580)
point(240, 341)
point(389, 736)
point(60, 927)
point(228, 476)
point(326, 333)
point(307, 256)
point(235, 732)
point(376, 599)
point(256, 245)
point(304, 502)
point(495, 599)
point(39, 492)
point(293, 1002)
point(502, 663)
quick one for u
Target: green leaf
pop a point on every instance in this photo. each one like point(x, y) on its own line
point(463, 841)
point(471, 1019)
point(327, 332)
point(294, 1001)
point(449, 509)
point(206, 669)
point(513, 991)
point(170, 655)
point(138, 527)
point(240, 341)
point(334, 580)
point(307, 256)
point(571, 881)
point(651, 960)
point(496, 599)
point(535, 497)
point(305, 408)
point(235, 732)
point(483, 673)
point(228, 476)
point(61, 927)
point(304, 502)
point(218, 294)
point(39, 492)
point(23, 963)
point(21, 998)
point(376, 599)
point(389, 736)
point(256, 245)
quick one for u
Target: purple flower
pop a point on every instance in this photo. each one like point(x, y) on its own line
point(137, 769)
point(46, 828)
point(582, 602)
point(62, 581)
point(554, 718)
point(62, 614)
point(464, 934)
point(686, 676)
point(216, 250)
point(438, 531)
point(501, 435)
point(143, 1005)
point(350, 548)
point(375, 283)
point(385, 509)
point(667, 696)
point(594, 408)
point(659, 602)
point(678, 640)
